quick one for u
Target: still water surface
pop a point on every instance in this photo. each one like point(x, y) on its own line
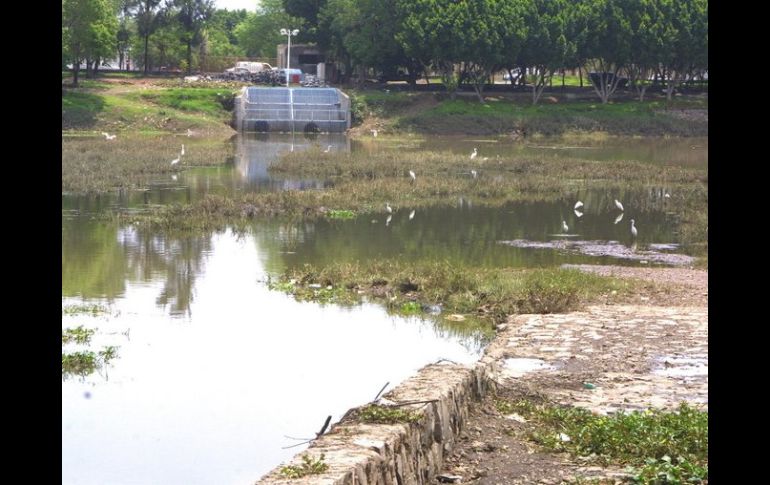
point(214, 369)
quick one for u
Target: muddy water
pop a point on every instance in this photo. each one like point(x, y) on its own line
point(214, 369)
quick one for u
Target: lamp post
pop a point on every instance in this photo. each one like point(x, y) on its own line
point(288, 33)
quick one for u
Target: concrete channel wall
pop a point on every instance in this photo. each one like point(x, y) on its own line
point(399, 454)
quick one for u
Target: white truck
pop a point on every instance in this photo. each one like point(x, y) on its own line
point(249, 67)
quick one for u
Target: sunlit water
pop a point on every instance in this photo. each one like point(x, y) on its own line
point(214, 369)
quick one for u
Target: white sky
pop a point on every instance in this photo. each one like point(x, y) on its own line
point(250, 5)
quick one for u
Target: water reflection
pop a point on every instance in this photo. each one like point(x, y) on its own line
point(209, 399)
point(257, 151)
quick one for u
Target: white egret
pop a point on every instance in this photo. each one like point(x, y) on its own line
point(578, 205)
point(485, 159)
point(411, 215)
point(107, 136)
point(634, 232)
point(667, 195)
point(328, 149)
point(578, 213)
point(618, 204)
point(182, 152)
point(173, 177)
point(388, 208)
point(189, 133)
point(374, 133)
point(564, 226)
point(474, 173)
point(619, 218)
point(175, 161)
point(414, 177)
point(475, 152)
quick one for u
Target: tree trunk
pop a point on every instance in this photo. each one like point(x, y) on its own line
point(89, 72)
point(641, 93)
point(96, 66)
point(75, 71)
point(189, 57)
point(580, 73)
point(146, 53)
point(479, 88)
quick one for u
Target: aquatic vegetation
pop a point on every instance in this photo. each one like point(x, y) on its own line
point(82, 363)
point(340, 214)
point(83, 309)
point(78, 335)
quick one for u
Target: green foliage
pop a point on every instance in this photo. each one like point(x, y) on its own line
point(341, 214)
point(260, 32)
point(645, 440)
point(207, 100)
point(410, 308)
point(374, 413)
point(309, 466)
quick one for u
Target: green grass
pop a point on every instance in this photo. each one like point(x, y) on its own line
point(374, 413)
point(309, 466)
point(215, 102)
point(617, 117)
point(663, 447)
point(341, 214)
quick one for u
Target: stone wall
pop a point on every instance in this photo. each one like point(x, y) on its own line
point(384, 454)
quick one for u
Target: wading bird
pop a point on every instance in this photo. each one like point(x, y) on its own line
point(411, 215)
point(564, 226)
point(474, 173)
point(578, 205)
point(175, 161)
point(618, 204)
point(328, 149)
point(182, 152)
point(374, 133)
point(414, 177)
point(388, 208)
point(634, 232)
point(578, 213)
point(107, 136)
point(475, 152)
point(619, 218)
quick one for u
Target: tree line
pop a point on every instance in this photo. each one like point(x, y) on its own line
point(462, 41)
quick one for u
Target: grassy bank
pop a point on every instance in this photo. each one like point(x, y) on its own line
point(147, 105)
point(506, 113)
point(468, 292)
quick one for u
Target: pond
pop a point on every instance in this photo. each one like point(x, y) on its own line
point(214, 370)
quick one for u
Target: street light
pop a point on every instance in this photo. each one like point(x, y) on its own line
point(288, 33)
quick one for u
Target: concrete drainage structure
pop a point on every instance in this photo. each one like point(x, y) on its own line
point(288, 110)
point(384, 454)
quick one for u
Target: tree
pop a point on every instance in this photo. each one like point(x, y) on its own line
point(608, 44)
point(148, 20)
point(89, 29)
point(192, 16)
point(687, 49)
point(260, 32)
point(649, 33)
point(545, 48)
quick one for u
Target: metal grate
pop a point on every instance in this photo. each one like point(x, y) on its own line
point(293, 109)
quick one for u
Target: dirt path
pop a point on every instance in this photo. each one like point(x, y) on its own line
point(604, 358)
